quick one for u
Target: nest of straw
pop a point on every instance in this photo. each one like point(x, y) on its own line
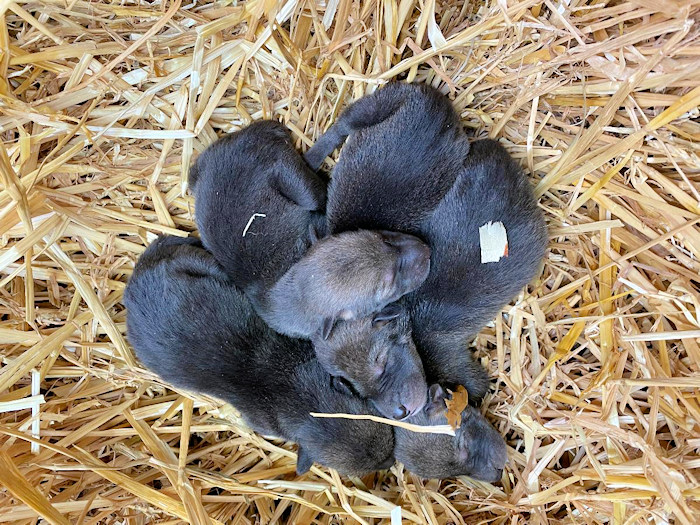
point(103, 106)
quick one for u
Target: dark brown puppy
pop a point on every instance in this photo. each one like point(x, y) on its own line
point(193, 327)
point(477, 449)
point(375, 357)
point(302, 290)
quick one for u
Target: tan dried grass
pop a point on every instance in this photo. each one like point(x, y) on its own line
point(103, 105)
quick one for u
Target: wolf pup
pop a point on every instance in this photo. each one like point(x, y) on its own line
point(448, 193)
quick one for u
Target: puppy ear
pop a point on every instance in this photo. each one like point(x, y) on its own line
point(436, 400)
point(313, 233)
point(196, 262)
point(389, 313)
point(327, 327)
point(304, 461)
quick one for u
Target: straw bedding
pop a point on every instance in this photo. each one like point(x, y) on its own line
point(103, 105)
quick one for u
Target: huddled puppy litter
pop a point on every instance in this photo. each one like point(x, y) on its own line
point(357, 298)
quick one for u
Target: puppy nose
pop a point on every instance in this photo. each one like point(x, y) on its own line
point(416, 258)
point(400, 412)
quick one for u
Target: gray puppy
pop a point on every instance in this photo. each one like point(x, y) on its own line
point(193, 327)
point(404, 150)
point(407, 136)
point(299, 285)
point(188, 323)
point(477, 449)
point(343, 277)
point(462, 294)
point(259, 209)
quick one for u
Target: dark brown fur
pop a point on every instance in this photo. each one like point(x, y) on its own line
point(375, 357)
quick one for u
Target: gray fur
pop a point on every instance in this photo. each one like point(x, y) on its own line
point(191, 325)
point(407, 136)
point(343, 277)
point(404, 150)
point(477, 450)
point(188, 323)
point(461, 294)
point(301, 286)
point(297, 284)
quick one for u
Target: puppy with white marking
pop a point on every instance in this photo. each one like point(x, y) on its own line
point(408, 137)
point(259, 210)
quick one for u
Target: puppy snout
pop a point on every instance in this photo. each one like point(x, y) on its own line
point(416, 259)
point(414, 256)
point(413, 401)
point(400, 412)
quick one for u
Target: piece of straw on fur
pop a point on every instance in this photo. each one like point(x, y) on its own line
point(422, 429)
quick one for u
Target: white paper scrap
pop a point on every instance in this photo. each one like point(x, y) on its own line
point(494, 242)
point(396, 516)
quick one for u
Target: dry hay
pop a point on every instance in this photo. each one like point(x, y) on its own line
point(104, 104)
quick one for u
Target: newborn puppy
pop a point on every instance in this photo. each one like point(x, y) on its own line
point(191, 325)
point(375, 357)
point(259, 210)
point(461, 294)
point(477, 450)
point(343, 277)
point(408, 137)
point(404, 150)
point(188, 323)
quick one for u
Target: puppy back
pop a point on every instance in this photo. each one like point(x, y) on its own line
point(392, 174)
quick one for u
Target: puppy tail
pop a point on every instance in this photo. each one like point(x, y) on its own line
point(326, 144)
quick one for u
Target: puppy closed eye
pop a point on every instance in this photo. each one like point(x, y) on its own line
point(380, 360)
point(341, 384)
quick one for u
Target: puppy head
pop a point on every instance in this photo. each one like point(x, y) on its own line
point(354, 274)
point(477, 450)
point(376, 358)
